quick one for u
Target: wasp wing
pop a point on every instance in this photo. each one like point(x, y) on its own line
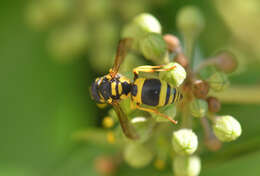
point(122, 48)
point(126, 126)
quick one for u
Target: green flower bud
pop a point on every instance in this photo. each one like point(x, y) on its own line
point(176, 76)
point(227, 128)
point(137, 155)
point(143, 127)
point(190, 21)
point(153, 47)
point(148, 23)
point(169, 110)
point(198, 108)
point(142, 25)
point(185, 141)
point(186, 165)
point(68, 42)
point(218, 81)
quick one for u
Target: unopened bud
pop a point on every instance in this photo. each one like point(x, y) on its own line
point(143, 127)
point(226, 61)
point(175, 76)
point(105, 165)
point(200, 89)
point(137, 155)
point(148, 23)
point(190, 21)
point(227, 128)
point(213, 104)
point(198, 108)
point(218, 81)
point(186, 165)
point(185, 142)
point(181, 59)
point(141, 25)
point(108, 122)
point(153, 47)
point(173, 43)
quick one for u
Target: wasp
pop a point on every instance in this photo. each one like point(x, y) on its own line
point(113, 87)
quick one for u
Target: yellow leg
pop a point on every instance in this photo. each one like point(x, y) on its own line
point(156, 112)
point(149, 68)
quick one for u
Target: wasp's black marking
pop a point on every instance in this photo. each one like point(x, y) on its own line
point(105, 88)
point(151, 92)
point(168, 94)
point(126, 88)
point(134, 90)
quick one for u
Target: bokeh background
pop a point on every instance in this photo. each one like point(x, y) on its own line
point(44, 97)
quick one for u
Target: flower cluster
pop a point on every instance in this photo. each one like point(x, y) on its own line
point(158, 140)
point(197, 82)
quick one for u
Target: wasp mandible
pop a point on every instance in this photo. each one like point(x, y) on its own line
point(113, 87)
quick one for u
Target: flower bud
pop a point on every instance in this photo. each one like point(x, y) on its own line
point(227, 128)
point(159, 164)
point(218, 81)
point(175, 76)
point(200, 89)
point(137, 155)
point(198, 108)
point(213, 104)
point(190, 21)
point(148, 23)
point(141, 25)
point(226, 61)
point(186, 166)
point(185, 141)
point(108, 122)
point(173, 43)
point(181, 59)
point(169, 110)
point(153, 47)
point(105, 165)
point(143, 127)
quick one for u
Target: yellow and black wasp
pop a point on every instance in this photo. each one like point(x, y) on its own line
point(114, 87)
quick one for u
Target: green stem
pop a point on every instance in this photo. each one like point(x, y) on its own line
point(239, 95)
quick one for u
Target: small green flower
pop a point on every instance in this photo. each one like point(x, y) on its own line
point(190, 21)
point(198, 108)
point(227, 128)
point(186, 165)
point(153, 47)
point(137, 155)
point(218, 81)
point(176, 76)
point(185, 141)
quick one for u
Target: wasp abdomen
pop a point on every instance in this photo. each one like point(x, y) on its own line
point(154, 92)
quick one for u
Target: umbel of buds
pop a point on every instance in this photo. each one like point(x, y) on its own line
point(227, 128)
point(184, 141)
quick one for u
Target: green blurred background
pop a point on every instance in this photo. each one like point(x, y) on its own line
point(43, 101)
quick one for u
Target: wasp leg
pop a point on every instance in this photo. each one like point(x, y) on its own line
point(149, 68)
point(156, 112)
